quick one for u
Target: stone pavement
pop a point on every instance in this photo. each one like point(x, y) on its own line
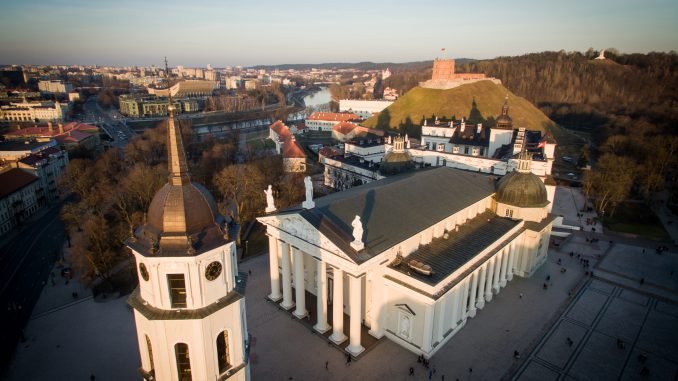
point(616, 328)
point(70, 338)
point(569, 203)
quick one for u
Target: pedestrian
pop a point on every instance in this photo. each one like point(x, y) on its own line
point(411, 371)
point(470, 370)
point(91, 377)
point(327, 363)
point(642, 280)
point(430, 374)
point(521, 295)
point(249, 272)
point(516, 354)
point(348, 360)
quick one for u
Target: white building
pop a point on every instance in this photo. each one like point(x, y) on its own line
point(189, 307)
point(55, 87)
point(33, 111)
point(325, 121)
point(410, 257)
point(363, 108)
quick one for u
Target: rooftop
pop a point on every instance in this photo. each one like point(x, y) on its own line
point(23, 145)
point(445, 256)
point(333, 116)
point(393, 209)
point(14, 180)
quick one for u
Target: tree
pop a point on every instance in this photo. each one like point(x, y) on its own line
point(242, 189)
point(610, 182)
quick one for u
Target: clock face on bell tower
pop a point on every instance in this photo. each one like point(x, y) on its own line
point(213, 271)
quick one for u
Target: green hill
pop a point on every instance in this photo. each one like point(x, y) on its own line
point(489, 97)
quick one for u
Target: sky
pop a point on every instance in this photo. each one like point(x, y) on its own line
point(251, 32)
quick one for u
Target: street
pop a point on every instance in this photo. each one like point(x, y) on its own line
point(111, 121)
point(25, 264)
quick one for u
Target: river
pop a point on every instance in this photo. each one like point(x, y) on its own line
point(319, 100)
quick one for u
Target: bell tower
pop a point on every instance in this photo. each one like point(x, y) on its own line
point(189, 307)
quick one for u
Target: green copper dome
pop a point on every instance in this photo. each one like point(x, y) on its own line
point(524, 190)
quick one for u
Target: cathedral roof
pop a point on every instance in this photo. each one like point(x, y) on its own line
point(396, 208)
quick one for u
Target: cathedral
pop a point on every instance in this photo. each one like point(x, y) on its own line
point(189, 307)
point(410, 257)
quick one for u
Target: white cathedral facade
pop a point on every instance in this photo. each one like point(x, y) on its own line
point(189, 307)
point(410, 257)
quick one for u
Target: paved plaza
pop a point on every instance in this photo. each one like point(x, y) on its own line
point(616, 328)
point(70, 338)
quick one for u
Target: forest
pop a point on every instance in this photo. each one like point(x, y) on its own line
point(626, 106)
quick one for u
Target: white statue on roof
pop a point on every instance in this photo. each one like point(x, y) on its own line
point(308, 204)
point(357, 243)
point(270, 205)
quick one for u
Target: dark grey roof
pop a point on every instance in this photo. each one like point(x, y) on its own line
point(153, 313)
point(447, 255)
point(470, 136)
point(396, 208)
point(22, 145)
point(525, 190)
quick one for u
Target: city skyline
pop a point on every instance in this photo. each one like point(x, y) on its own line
point(125, 33)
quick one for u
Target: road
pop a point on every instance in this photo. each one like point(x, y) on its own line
point(25, 264)
point(112, 122)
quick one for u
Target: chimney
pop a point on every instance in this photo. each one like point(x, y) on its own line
point(462, 125)
point(61, 128)
point(480, 127)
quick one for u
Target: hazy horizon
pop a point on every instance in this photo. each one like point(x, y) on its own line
point(262, 32)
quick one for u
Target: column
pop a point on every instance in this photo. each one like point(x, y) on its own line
point(428, 329)
point(355, 298)
point(287, 302)
point(299, 286)
point(464, 296)
point(442, 318)
point(488, 283)
point(495, 276)
point(474, 290)
point(274, 269)
point(512, 260)
point(504, 265)
point(481, 288)
point(338, 307)
point(321, 297)
point(455, 304)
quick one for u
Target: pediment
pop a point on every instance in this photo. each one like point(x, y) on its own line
point(297, 227)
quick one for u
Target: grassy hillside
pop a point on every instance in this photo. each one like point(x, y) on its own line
point(420, 102)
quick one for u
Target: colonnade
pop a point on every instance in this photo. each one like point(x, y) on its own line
point(289, 272)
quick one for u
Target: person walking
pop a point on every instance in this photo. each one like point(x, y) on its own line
point(327, 363)
point(411, 371)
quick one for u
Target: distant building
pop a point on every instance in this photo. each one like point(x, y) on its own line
point(363, 108)
point(445, 77)
point(188, 88)
point(13, 150)
point(33, 111)
point(251, 84)
point(55, 87)
point(48, 165)
point(325, 121)
point(146, 106)
point(19, 195)
point(293, 155)
point(385, 73)
point(69, 136)
point(390, 94)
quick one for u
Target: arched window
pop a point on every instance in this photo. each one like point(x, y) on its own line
point(223, 352)
point(150, 351)
point(183, 361)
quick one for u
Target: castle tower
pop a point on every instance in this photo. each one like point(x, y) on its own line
point(189, 307)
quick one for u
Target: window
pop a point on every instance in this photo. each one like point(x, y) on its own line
point(466, 150)
point(222, 352)
point(509, 213)
point(150, 351)
point(183, 361)
point(177, 288)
